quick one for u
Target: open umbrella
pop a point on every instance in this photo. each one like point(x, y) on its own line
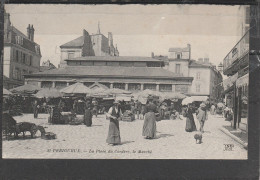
point(48, 93)
point(6, 92)
point(77, 88)
point(187, 100)
point(26, 89)
point(114, 91)
point(173, 95)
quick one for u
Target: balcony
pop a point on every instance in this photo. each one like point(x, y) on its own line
point(237, 53)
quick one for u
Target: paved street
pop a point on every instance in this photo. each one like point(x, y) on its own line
point(83, 142)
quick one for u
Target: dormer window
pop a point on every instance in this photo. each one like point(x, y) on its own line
point(37, 49)
point(19, 40)
point(178, 55)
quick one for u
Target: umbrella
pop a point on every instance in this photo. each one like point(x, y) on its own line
point(77, 88)
point(116, 91)
point(6, 92)
point(173, 95)
point(48, 93)
point(220, 105)
point(26, 89)
point(187, 100)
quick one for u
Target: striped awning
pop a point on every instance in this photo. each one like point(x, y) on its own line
point(242, 81)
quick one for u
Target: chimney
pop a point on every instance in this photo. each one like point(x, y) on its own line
point(32, 33)
point(200, 60)
point(87, 49)
point(189, 47)
point(152, 54)
point(29, 31)
point(110, 39)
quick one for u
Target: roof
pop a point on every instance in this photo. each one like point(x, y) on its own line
point(179, 49)
point(78, 42)
point(27, 43)
point(114, 58)
point(109, 71)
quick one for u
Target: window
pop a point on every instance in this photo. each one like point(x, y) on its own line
point(30, 61)
point(19, 40)
point(106, 84)
point(16, 73)
point(178, 68)
point(197, 87)
point(46, 84)
point(24, 72)
point(247, 15)
point(16, 55)
point(70, 55)
point(60, 85)
point(37, 49)
point(119, 85)
point(134, 87)
point(198, 75)
point(178, 56)
point(165, 87)
point(24, 58)
point(181, 88)
point(150, 86)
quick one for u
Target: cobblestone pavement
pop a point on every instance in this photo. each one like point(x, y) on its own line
point(81, 142)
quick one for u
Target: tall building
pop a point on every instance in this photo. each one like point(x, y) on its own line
point(21, 54)
point(206, 78)
point(88, 45)
point(236, 67)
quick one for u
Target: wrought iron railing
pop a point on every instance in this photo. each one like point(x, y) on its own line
point(238, 51)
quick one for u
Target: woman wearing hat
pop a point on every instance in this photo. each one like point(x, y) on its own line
point(149, 127)
point(114, 113)
point(190, 124)
point(88, 114)
point(202, 116)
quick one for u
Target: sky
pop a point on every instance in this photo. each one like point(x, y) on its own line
point(137, 30)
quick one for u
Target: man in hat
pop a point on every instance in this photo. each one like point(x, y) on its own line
point(202, 116)
point(114, 113)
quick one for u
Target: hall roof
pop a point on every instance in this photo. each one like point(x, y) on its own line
point(109, 71)
point(78, 42)
point(114, 58)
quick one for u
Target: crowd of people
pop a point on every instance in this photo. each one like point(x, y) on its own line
point(151, 112)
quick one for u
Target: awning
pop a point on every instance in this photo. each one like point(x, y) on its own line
point(242, 81)
point(199, 98)
point(125, 98)
point(227, 83)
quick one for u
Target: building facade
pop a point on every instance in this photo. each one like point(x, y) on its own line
point(21, 54)
point(88, 45)
point(123, 72)
point(206, 78)
point(47, 65)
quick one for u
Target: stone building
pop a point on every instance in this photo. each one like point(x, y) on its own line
point(206, 78)
point(123, 72)
point(88, 45)
point(47, 65)
point(21, 54)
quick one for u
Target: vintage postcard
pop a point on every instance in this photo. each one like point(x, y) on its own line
point(125, 82)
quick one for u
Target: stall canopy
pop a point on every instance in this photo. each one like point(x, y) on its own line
point(227, 83)
point(242, 81)
point(187, 100)
point(173, 95)
point(199, 98)
point(115, 91)
point(26, 89)
point(77, 88)
point(48, 93)
point(6, 92)
point(123, 98)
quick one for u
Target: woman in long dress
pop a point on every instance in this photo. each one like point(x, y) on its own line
point(190, 123)
point(114, 113)
point(149, 127)
point(88, 115)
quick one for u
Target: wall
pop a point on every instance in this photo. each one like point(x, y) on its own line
point(184, 69)
point(65, 51)
point(203, 81)
point(6, 63)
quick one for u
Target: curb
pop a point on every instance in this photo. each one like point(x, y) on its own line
point(244, 144)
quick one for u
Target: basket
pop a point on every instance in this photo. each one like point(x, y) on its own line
point(49, 135)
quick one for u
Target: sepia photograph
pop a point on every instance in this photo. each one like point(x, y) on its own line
point(125, 82)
